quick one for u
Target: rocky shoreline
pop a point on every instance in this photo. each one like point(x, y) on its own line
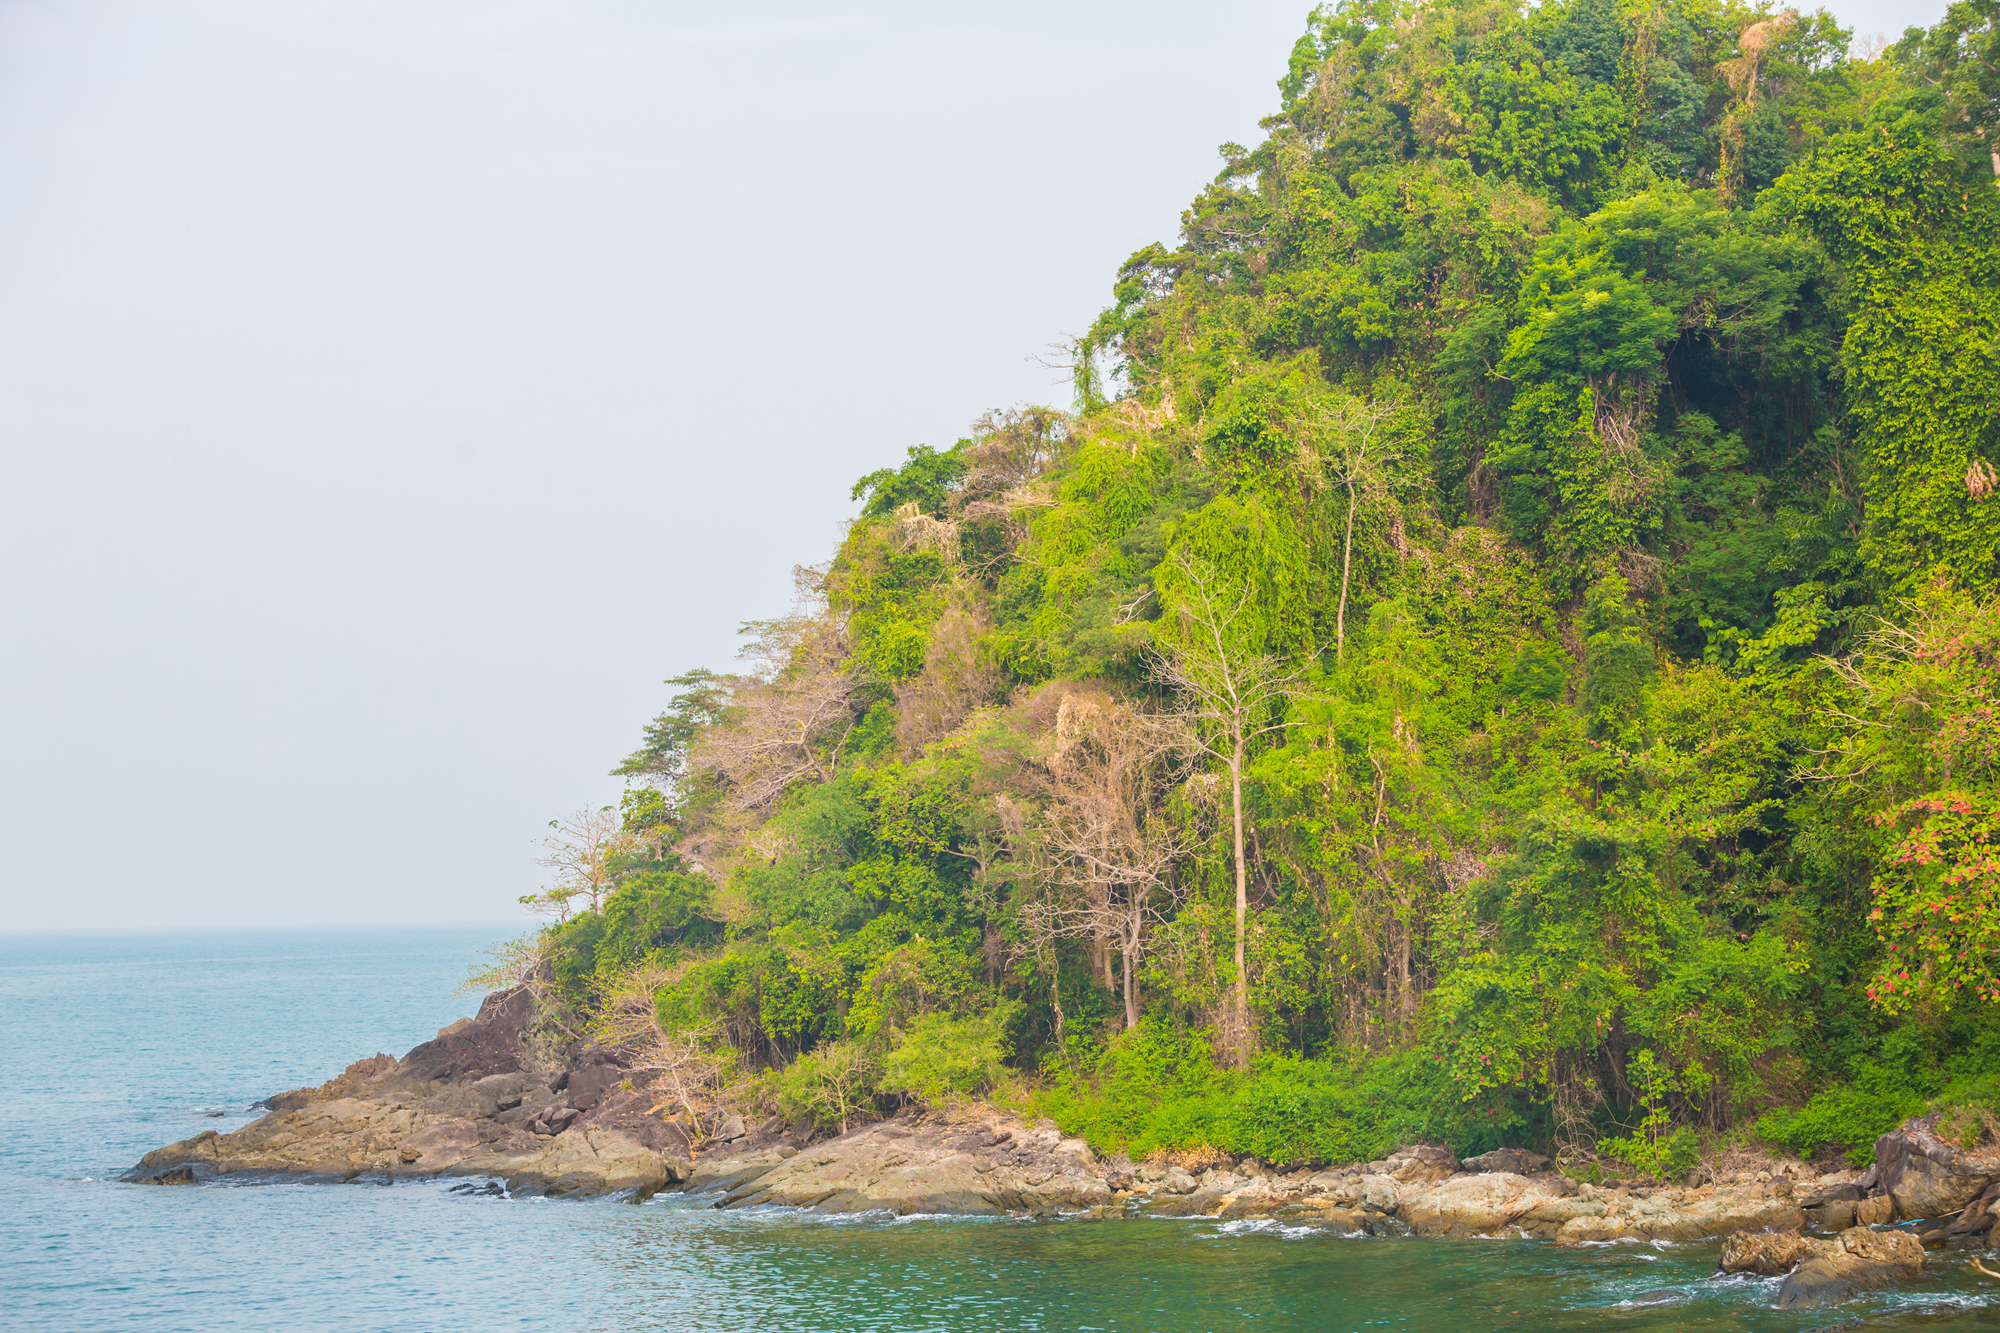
point(487, 1100)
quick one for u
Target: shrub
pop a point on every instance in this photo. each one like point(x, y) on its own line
point(1662, 1156)
point(1154, 1090)
point(942, 1058)
point(1848, 1117)
point(831, 1085)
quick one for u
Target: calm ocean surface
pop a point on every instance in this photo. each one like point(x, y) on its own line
point(115, 1044)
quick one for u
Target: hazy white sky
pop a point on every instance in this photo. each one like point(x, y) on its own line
point(393, 392)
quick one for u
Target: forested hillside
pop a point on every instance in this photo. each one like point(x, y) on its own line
point(1501, 648)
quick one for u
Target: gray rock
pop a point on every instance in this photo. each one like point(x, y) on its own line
point(1515, 1161)
point(1378, 1193)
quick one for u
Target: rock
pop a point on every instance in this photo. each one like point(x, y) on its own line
point(1378, 1193)
point(1847, 1192)
point(1422, 1162)
point(1076, 1148)
point(1860, 1260)
point(1491, 1203)
point(728, 1170)
point(1977, 1215)
point(589, 1084)
point(1894, 1248)
point(918, 1169)
point(497, 1040)
point(1875, 1212)
point(177, 1175)
point(1928, 1177)
point(1934, 1240)
point(475, 1101)
point(593, 1161)
point(732, 1128)
point(1834, 1216)
point(1767, 1254)
point(554, 1120)
point(1514, 1161)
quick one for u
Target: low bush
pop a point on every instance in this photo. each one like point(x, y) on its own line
point(1153, 1090)
point(827, 1086)
point(1848, 1118)
point(941, 1059)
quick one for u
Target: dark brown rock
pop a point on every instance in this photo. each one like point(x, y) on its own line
point(588, 1085)
point(494, 1042)
point(1977, 1215)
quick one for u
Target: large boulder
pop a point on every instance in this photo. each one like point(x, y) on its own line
point(1859, 1260)
point(1765, 1253)
point(1489, 1203)
point(588, 1085)
point(1420, 1163)
point(1378, 1193)
point(1514, 1161)
point(1929, 1177)
point(1979, 1214)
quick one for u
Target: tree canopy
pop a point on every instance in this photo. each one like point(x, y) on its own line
point(1502, 646)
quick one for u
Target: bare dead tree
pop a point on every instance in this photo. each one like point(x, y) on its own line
point(957, 678)
point(1012, 451)
point(1235, 695)
point(1348, 436)
point(1107, 840)
point(580, 852)
point(788, 719)
point(684, 1066)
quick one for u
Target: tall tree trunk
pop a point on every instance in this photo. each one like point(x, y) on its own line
point(1404, 1006)
point(1131, 990)
point(1055, 997)
point(1241, 1037)
point(1100, 944)
point(1346, 559)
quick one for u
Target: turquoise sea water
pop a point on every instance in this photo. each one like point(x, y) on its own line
point(117, 1044)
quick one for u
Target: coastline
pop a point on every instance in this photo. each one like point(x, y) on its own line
point(488, 1100)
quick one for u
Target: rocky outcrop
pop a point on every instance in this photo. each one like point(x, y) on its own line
point(1859, 1260)
point(1765, 1253)
point(1928, 1177)
point(908, 1166)
point(1514, 1161)
point(1825, 1271)
point(487, 1099)
point(481, 1099)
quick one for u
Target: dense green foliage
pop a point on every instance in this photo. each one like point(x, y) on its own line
point(1528, 554)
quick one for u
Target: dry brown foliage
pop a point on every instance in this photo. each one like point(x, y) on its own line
point(789, 716)
point(957, 678)
point(1102, 843)
point(684, 1068)
point(1193, 1160)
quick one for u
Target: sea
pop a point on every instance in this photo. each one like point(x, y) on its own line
point(113, 1044)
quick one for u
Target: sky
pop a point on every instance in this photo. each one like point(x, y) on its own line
point(394, 392)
